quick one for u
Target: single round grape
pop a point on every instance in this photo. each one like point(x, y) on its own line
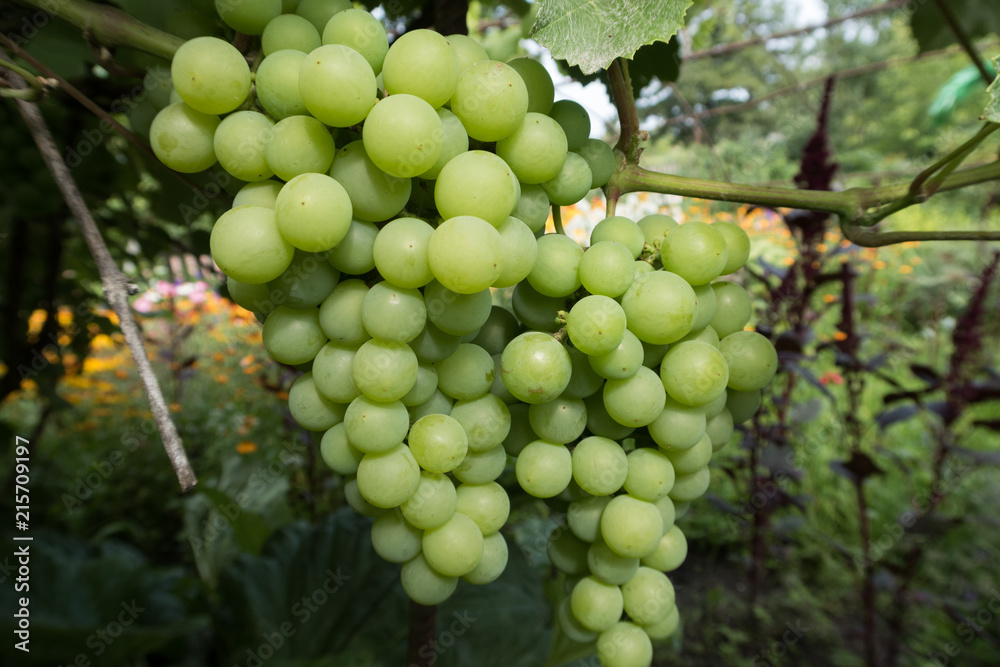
point(490, 99)
point(703, 335)
point(584, 381)
point(289, 31)
point(255, 298)
point(476, 183)
point(584, 517)
point(313, 212)
point(239, 142)
point(438, 442)
point(393, 313)
point(388, 479)
point(183, 138)
point(337, 85)
point(570, 626)
point(454, 142)
point(261, 193)
point(655, 226)
point(660, 307)
point(536, 311)
point(535, 367)
point(248, 16)
point(486, 421)
point(481, 467)
point(519, 251)
point(705, 298)
point(465, 254)
point(596, 324)
point(544, 469)
point(621, 229)
point(600, 158)
point(536, 150)
point(338, 453)
point(670, 552)
point(557, 266)
point(691, 486)
point(635, 401)
point(597, 605)
point(607, 268)
point(455, 547)
point(520, 434)
point(567, 552)
point(694, 373)
point(424, 388)
point(678, 426)
point(650, 474)
point(667, 511)
point(571, 184)
point(559, 421)
point(609, 567)
point(695, 251)
point(599, 465)
point(432, 344)
point(319, 12)
point(299, 145)
point(433, 503)
point(486, 504)
point(466, 374)
point(306, 282)
point(277, 84)
point(575, 122)
point(733, 308)
point(421, 63)
point(331, 370)
point(385, 370)
point(493, 562)
point(665, 628)
point(742, 405)
point(372, 426)
point(624, 645)
point(355, 252)
point(620, 363)
point(310, 409)
point(716, 406)
point(340, 314)
point(357, 503)
point(737, 243)
point(533, 207)
point(631, 527)
point(500, 327)
point(394, 539)
point(752, 360)
point(688, 461)
point(454, 313)
point(599, 422)
point(375, 195)
point(425, 585)
point(293, 335)
point(210, 75)
point(400, 252)
point(720, 429)
point(403, 135)
point(541, 90)
point(468, 51)
point(360, 31)
point(246, 245)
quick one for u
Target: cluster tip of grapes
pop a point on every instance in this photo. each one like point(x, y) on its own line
point(389, 190)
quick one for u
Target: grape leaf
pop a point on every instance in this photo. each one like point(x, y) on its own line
point(976, 18)
point(992, 111)
point(592, 33)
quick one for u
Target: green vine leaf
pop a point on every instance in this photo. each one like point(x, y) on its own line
point(592, 33)
point(992, 111)
point(977, 18)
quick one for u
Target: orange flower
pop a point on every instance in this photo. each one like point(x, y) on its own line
point(831, 376)
point(175, 407)
point(246, 447)
point(878, 264)
point(840, 335)
point(905, 268)
point(829, 298)
point(221, 378)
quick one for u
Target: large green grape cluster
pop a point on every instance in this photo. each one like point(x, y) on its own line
point(389, 190)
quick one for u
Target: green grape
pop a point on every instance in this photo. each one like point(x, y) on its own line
point(182, 138)
point(277, 84)
point(601, 159)
point(337, 85)
point(353, 497)
point(635, 401)
point(466, 374)
point(299, 145)
point(360, 31)
point(571, 184)
point(667, 511)
point(338, 453)
point(584, 381)
point(742, 405)
point(373, 426)
point(733, 308)
point(535, 367)
point(481, 467)
point(210, 75)
point(394, 539)
point(387, 479)
point(293, 335)
point(490, 99)
point(665, 628)
point(719, 429)
point(255, 298)
point(313, 212)
point(497, 388)
point(608, 567)
point(596, 324)
point(421, 63)
point(567, 552)
point(541, 90)
point(558, 421)
point(536, 150)
point(624, 645)
point(319, 12)
point(306, 282)
point(737, 243)
point(400, 252)
point(454, 142)
point(584, 517)
point(533, 207)
point(424, 388)
point(715, 406)
point(486, 504)
point(752, 360)
point(500, 327)
point(599, 465)
point(694, 373)
point(355, 252)
point(476, 183)
point(518, 251)
point(599, 422)
point(455, 547)
point(465, 254)
point(403, 135)
point(595, 604)
point(652, 355)
point(681, 508)
point(433, 503)
point(438, 442)
point(310, 409)
point(688, 461)
point(607, 268)
point(655, 226)
point(631, 527)
point(455, 313)
point(333, 375)
point(261, 193)
point(575, 122)
point(620, 363)
point(570, 626)
point(432, 344)
point(650, 474)
point(621, 229)
point(557, 266)
point(493, 562)
point(385, 370)
point(660, 307)
point(705, 298)
point(393, 313)
point(535, 310)
point(340, 314)
point(289, 31)
point(691, 486)
point(670, 552)
point(695, 251)
point(544, 469)
point(642, 266)
point(467, 50)
point(239, 143)
point(425, 585)
point(486, 421)
point(248, 16)
point(703, 335)
point(437, 404)
point(375, 195)
point(520, 433)
point(678, 426)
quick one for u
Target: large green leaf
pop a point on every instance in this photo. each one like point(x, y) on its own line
point(976, 18)
point(992, 111)
point(592, 33)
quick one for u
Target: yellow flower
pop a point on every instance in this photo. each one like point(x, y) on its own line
point(905, 268)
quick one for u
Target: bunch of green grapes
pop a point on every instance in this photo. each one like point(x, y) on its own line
point(389, 190)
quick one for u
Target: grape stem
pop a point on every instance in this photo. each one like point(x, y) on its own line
point(114, 282)
point(557, 219)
